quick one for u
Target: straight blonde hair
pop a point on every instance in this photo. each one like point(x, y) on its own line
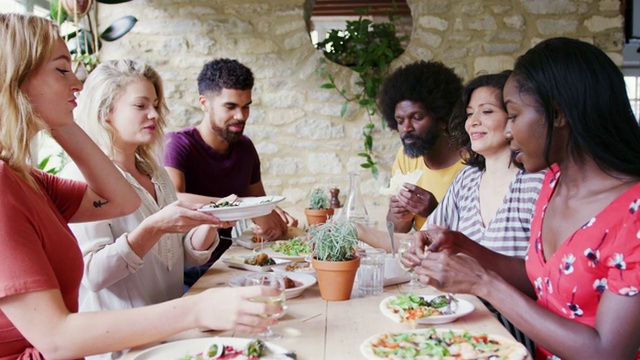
point(26, 43)
point(95, 103)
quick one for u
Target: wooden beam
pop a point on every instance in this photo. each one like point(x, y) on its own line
point(346, 8)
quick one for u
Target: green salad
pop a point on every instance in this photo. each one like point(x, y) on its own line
point(293, 247)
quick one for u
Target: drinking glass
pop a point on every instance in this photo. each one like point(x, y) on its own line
point(275, 281)
point(404, 246)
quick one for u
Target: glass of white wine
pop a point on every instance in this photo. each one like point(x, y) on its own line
point(404, 246)
point(275, 281)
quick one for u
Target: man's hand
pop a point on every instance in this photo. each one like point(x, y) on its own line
point(286, 217)
point(270, 227)
point(416, 200)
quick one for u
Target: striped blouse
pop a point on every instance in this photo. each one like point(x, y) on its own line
point(508, 232)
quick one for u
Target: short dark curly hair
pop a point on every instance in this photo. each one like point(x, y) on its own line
point(224, 74)
point(457, 132)
point(431, 84)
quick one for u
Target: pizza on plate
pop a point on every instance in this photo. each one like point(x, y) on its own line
point(447, 344)
point(411, 307)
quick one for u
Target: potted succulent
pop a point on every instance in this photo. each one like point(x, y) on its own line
point(334, 258)
point(319, 210)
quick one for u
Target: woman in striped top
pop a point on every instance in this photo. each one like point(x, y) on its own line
point(491, 201)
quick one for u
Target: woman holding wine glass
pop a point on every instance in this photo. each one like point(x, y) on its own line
point(404, 245)
point(275, 281)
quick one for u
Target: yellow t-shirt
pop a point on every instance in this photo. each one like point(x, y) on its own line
point(435, 181)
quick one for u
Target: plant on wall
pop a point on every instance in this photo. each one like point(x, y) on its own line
point(84, 41)
point(368, 49)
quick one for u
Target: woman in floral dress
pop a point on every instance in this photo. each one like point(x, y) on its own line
point(576, 292)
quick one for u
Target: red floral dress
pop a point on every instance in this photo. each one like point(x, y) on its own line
point(603, 254)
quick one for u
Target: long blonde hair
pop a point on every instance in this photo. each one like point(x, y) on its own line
point(95, 103)
point(26, 43)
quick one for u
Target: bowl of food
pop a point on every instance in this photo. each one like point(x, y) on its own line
point(295, 266)
point(294, 283)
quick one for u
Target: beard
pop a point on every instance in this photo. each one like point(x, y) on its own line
point(421, 145)
point(226, 134)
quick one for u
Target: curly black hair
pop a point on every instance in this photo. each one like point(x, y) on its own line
point(224, 74)
point(457, 132)
point(431, 84)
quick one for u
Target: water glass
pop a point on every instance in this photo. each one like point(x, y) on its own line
point(370, 274)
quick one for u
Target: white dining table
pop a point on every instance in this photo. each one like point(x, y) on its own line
point(316, 329)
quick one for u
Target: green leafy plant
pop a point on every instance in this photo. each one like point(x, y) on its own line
point(53, 167)
point(334, 240)
point(84, 41)
point(368, 49)
point(318, 200)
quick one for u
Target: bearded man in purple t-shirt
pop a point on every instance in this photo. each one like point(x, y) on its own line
point(214, 159)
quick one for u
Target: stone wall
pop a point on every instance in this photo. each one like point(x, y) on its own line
point(302, 141)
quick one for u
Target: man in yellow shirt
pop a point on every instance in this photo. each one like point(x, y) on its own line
point(417, 101)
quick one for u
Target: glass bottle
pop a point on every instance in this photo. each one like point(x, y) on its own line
point(354, 206)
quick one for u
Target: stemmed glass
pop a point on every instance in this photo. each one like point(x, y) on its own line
point(404, 246)
point(272, 280)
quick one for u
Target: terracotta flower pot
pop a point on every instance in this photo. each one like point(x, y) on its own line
point(81, 6)
point(335, 278)
point(318, 216)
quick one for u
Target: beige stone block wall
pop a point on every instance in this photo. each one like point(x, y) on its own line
point(295, 125)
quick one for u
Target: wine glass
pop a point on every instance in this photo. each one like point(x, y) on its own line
point(275, 281)
point(404, 246)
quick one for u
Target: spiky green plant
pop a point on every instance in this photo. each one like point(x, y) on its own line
point(318, 200)
point(334, 240)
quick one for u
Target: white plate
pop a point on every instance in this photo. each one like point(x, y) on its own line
point(238, 263)
point(517, 350)
point(277, 255)
point(305, 270)
point(178, 349)
point(246, 242)
point(304, 279)
point(464, 308)
point(247, 208)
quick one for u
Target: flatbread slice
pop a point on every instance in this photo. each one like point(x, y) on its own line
point(395, 184)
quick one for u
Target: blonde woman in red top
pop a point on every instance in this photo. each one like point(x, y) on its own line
point(40, 262)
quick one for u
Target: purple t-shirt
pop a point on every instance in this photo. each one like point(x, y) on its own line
point(208, 172)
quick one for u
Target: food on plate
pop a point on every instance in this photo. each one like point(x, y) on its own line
point(395, 183)
point(256, 238)
point(445, 344)
point(228, 201)
point(301, 266)
point(293, 247)
point(260, 259)
point(411, 307)
point(252, 351)
point(289, 283)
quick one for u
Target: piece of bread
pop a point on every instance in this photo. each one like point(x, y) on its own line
point(395, 184)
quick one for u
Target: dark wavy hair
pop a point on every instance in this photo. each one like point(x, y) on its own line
point(457, 132)
point(580, 80)
point(431, 84)
point(224, 74)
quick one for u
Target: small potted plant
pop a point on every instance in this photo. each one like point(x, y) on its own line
point(334, 258)
point(319, 210)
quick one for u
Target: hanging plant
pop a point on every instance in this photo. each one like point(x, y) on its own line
point(368, 49)
point(84, 42)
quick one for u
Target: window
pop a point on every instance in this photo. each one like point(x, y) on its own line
point(632, 79)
